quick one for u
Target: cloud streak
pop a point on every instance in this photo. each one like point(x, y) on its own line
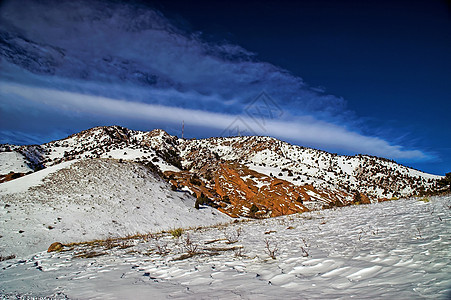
point(304, 129)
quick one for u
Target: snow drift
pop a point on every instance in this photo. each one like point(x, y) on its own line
point(91, 199)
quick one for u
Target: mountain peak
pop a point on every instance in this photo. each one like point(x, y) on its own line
point(159, 132)
point(242, 176)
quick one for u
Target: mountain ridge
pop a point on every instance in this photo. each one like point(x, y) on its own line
point(242, 176)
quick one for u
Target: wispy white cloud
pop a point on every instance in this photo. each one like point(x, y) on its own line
point(307, 129)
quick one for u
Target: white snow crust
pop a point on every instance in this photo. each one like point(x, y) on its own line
point(389, 250)
point(91, 199)
point(13, 162)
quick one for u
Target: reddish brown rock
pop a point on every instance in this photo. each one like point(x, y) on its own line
point(55, 247)
point(244, 189)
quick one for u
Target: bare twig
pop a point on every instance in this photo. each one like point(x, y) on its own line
point(271, 249)
point(238, 252)
point(162, 248)
point(419, 232)
point(232, 237)
point(189, 246)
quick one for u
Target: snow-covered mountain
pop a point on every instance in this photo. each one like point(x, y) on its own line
point(95, 190)
point(247, 176)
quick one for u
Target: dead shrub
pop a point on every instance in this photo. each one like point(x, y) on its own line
point(271, 248)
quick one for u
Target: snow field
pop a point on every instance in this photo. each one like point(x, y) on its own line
point(389, 250)
point(13, 162)
point(91, 199)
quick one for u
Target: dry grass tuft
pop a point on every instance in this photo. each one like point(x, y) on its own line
point(177, 232)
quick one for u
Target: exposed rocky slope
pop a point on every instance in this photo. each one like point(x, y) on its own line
point(247, 176)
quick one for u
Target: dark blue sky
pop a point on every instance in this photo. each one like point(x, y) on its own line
point(390, 60)
point(371, 77)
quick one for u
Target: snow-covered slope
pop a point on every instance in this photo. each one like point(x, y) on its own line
point(390, 250)
point(91, 199)
point(13, 162)
point(375, 176)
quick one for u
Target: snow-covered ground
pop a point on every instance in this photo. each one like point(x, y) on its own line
point(91, 199)
point(390, 250)
point(35, 179)
point(13, 162)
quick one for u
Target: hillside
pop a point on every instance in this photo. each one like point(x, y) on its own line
point(241, 176)
point(91, 199)
point(390, 250)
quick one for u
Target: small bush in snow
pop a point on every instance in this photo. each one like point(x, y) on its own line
point(198, 203)
point(177, 232)
point(204, 200)
point(271, 249)
point(190, 247)
point(357, 198)
point(162, 248)
point(232, 237)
